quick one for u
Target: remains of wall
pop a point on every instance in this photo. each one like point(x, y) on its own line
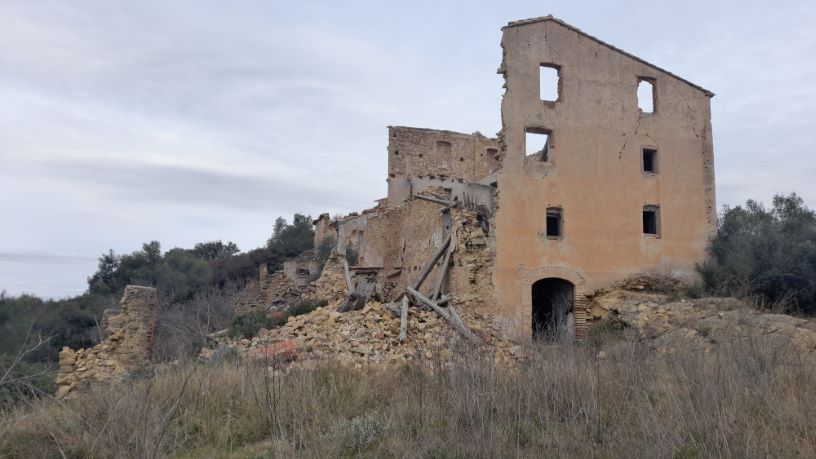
point(323, 230)
point(436, 154)
point(127, 346)
point(331, 285)
point(405, 237)
point(470, 277)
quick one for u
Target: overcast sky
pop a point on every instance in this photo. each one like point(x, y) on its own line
point(185, 121)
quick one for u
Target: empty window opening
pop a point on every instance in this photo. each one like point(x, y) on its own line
point(392, 175)
point(646, 95)
point(651, 219)
point(396, 152)
point(552, 309)
point(554, 222)
point(443, 152)
point(650, 160)
point(492, 159)
point(548, 82)
point(443, 148)
point(537, 144)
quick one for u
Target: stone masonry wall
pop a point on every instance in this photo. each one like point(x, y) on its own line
point(128, 344)
point(430, 153)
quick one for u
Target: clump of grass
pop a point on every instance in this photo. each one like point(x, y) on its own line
point(305, 306)
point(247, 325)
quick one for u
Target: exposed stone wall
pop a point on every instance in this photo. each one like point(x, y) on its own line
point(323, 230)
point(331, 285)
point(470, 276)
point(405, 237)
point(127, 346)
point(435, 154)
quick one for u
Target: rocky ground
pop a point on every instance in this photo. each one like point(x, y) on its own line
point(671, 325)
point(371, 336)
point(661, 321)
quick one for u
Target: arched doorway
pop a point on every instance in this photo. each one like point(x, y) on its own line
point(552, 309)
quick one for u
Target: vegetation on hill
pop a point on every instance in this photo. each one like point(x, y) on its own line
point(189, 281)
point(768, 254)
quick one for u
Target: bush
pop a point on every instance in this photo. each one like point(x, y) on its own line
point(248, 325)
point(768, 254)
point(305, 306)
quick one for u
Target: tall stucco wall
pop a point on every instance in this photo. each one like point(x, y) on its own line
point(594, 169)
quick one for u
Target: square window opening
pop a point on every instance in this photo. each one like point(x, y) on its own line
point(650, 160)
point(537, 144)
point(549, 80)
point(646, 95)
point(554, 222)
point(651, 220)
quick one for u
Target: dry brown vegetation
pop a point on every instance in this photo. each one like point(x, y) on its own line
point(564, 400)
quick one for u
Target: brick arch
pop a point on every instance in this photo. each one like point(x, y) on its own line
point(579, 303)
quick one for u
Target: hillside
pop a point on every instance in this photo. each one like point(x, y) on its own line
point(658, 377)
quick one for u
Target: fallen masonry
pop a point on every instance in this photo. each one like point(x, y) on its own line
point(127, 346)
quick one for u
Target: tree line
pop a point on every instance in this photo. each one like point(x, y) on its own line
point(180, 275)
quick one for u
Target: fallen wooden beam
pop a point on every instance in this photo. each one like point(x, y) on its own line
point(404, 319)
point(429, 266)
point(450, 314)
point(444, 202)
point(348, 276)
point(458, 324)
point(434, 305)
point(393, 308)
point(442, 272)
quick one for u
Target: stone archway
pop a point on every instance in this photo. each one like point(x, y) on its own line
point(553, 317)
point(579, 301)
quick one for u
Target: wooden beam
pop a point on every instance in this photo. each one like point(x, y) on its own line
point(458, 324)
point(435, 306)
point(444, 202)
point(451, 315)
point(404, 319)
point(429, 266)
point(442, 271)
point(348, 276)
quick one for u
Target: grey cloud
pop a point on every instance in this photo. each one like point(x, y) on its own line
point(164, 184)
point(39, 258)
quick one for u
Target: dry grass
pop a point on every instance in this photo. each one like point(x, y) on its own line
point(563, 402)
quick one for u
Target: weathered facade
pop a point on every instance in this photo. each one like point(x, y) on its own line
point(618, 184)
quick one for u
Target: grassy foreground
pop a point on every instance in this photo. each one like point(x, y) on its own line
point(564, 401)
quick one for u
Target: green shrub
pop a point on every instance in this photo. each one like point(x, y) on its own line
point(305, 306)
point(768, 254)
point(248, 325)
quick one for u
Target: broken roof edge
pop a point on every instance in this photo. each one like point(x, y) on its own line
point(441, 131)
point(523, 22)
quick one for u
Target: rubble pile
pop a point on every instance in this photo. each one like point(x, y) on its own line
point(371, 336)
point(683, 325)
point(127, 346)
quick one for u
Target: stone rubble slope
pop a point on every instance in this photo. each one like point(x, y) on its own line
point(684, 325)
point(370, 336)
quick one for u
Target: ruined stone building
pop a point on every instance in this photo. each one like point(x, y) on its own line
point(603, 169)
